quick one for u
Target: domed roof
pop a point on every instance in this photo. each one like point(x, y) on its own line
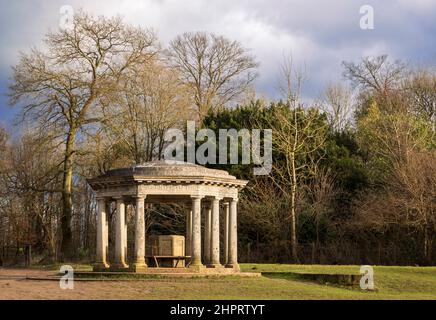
point(167, 171)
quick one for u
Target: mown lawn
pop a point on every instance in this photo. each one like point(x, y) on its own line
point(390, 283)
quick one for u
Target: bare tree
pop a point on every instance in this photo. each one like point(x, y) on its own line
point(3, 147)
point(152, 101)
point(61, 86)
point(338, 105)
point(414, 186)
point(400, 151)
point(267, 209)
point(406, 201)
point(389, 137)
point(320, 191)
point(33, 182)
point(299, 138)
point(375, 73)
point(4, 208)
point(421, 94)
point(215, 69)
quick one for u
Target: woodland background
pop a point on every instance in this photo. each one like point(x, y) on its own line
point(354, 171)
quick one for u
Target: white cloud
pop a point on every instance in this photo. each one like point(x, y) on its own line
point(418, 5)
point(320, 34)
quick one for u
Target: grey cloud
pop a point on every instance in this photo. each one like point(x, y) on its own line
point(320, 34)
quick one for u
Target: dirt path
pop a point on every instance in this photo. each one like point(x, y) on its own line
point(14, 286)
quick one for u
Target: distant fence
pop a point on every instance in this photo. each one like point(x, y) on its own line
point(277, 252)
point(345, 253)
point(16, 256)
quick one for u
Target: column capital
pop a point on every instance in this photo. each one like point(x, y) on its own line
point(140, 196)
point(197, 197)
point(217, 198)
point(234, 200)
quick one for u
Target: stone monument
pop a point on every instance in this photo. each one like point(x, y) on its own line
point(209, 192)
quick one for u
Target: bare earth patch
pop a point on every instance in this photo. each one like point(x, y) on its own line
point(13, 285)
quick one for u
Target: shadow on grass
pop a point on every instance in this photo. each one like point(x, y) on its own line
point(336, 280)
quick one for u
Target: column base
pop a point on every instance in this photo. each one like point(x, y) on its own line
point(196, 267)
point(119, 267)
point(215, 265)
point(100, 267)
point(234, 266)
point(139, 267)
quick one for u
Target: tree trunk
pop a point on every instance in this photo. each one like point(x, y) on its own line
point(294, 242)
point(317, 244)
point(67, 197)
point(428, 244)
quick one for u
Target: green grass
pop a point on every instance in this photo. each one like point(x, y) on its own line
point(315, 268)
point(390, 283)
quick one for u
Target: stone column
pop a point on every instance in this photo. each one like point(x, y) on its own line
point(207, 233)
point(102, 237)
point(120, 236)
point(108, 210)
point(139, 264)
point(233, 236)
point(215, 234)
point(188, 242)
point(226, 232)
point(196, 233)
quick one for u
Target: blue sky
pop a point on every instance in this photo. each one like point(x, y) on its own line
point(319, 34)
